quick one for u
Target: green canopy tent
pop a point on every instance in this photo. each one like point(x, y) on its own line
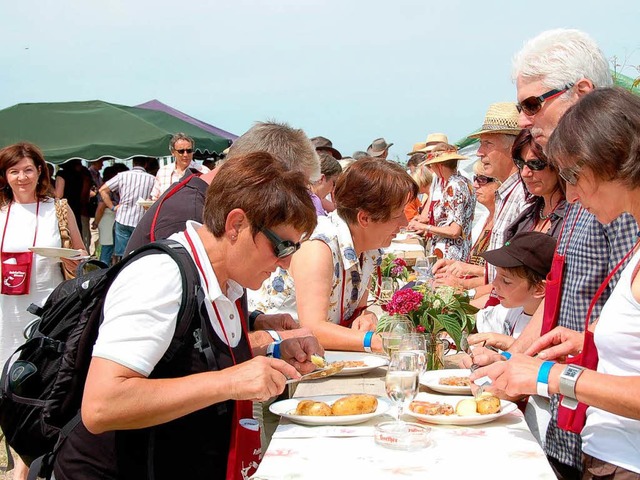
point(619, 80)
point(94, 129)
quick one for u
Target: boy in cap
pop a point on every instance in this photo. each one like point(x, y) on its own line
point(522, 265)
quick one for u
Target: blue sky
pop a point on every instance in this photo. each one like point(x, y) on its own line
point(350, 70)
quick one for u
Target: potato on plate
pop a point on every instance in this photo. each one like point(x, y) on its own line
point(488, 404)
point(355, 405)
point(467, 407)
point(311, 408)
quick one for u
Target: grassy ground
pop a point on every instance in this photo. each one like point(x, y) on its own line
point(3, 462)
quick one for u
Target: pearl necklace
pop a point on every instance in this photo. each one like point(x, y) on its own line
point(545, 217)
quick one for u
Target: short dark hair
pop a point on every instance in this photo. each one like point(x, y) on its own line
point(263, 187)
point(531, 276)
point(602, 132)
point(375, 187)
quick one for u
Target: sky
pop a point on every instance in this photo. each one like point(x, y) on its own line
point(349, 70)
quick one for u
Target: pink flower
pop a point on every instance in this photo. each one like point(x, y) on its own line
point(399, 262)
point(404, 302)
point(397, 270)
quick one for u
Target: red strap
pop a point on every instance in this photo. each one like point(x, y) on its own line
point(176, 188)
point(4, 231)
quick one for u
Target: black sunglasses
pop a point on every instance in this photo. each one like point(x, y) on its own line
point(182, 151)
point(532, 105)
point(483, 179)
point(282, 248)
point(534, 165)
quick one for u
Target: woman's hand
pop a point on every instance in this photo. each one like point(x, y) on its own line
point(365, 322)
point(557, 344)
point(516, 376)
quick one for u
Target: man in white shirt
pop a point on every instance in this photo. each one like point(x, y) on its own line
point(181, 147)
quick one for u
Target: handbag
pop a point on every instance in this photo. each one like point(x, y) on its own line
point(62, 211)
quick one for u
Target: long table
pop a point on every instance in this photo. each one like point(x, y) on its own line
point(503, 449)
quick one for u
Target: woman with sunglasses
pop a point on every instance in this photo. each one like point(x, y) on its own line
point(596, 148)
point(544, 186)
point(327, 285)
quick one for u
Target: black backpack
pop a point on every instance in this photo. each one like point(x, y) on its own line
point(41, 392)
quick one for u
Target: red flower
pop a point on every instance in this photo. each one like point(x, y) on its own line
point(399, 262)
point(403, 302)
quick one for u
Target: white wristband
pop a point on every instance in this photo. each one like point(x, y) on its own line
point(275, 335)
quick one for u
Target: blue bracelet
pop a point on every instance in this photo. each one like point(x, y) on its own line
point(542, 384)
point(273, 350)
point(366, 342)
point(506, 355)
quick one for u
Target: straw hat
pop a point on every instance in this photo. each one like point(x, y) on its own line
point(432, 140)
point(501, 117)
point(444, 157)
point(417, 148)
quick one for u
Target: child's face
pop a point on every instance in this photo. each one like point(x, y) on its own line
point(512, 290)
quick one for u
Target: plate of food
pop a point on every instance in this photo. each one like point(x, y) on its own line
point(331, 409)
point(402, 237)
point(144, 203)
point(453, 381)
point(355, 363)
point(458, 410)
point(57, 252)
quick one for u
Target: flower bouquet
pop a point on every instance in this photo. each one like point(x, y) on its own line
point(433, 311)
point(392, 270)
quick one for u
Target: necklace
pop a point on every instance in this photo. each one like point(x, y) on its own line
point(545, 217)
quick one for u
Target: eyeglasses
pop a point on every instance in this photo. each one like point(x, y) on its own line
point(282, 248)
point(534, 165)
point(483, 179)
point(532, 105)
point(182, 151)
point(570, 174)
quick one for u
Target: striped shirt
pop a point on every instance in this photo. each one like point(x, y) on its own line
point(131, 185)
point(592, 251)
point(168, 175)
point(510, 201)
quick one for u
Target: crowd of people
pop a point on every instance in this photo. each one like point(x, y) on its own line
point(287, 235)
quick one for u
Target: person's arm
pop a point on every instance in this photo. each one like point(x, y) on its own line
point(118, 398)
point(59, 191)
point(99, 213)
point(312, 271)
point(530, 333)
point(105, 193)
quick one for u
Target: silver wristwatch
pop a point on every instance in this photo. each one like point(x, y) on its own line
point(568, 379)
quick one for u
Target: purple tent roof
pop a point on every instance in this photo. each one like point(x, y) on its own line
point(158, 105)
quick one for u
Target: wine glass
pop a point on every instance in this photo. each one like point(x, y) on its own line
point(416, 343)
point(401, 382)
point(393, 327)
point(423, 268)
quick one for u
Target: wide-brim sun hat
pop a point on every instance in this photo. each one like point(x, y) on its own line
point(323, 143)
point(417, 148)
point(378, 147)
point(445, 157)
point(501, 117)
point(434, 139)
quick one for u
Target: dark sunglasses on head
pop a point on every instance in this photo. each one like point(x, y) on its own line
point(182, 151)
point(483, 179)
point(532, 105)
point(535, 165)
point(282, 248)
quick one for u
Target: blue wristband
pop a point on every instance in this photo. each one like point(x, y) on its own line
point(542, 383)
point(273, 350)
point(506, 355)
point(366, 342)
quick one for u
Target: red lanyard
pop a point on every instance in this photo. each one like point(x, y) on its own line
point(4, 232)
point(606, 283)
point(196, 259)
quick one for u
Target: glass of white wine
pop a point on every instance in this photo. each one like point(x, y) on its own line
point(417, 343)
point(401, 382)
point(393, 327)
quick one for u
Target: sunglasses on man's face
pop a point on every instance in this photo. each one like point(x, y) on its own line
point(532, 105)
point(534, 165)
point(483, 179)
point(182, 151)
point(281, 248)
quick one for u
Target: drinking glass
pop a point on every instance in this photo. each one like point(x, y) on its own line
point(401, 382)
point(416, 343)
point(386, 289)
point(423, 268)
point(393, 327)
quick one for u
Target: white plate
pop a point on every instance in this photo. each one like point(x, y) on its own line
point(402, 237)
point(432, 378)
point(144, 203)
point(506, 407)
point(372, 362)
point(286, 409)
point(56, 252)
